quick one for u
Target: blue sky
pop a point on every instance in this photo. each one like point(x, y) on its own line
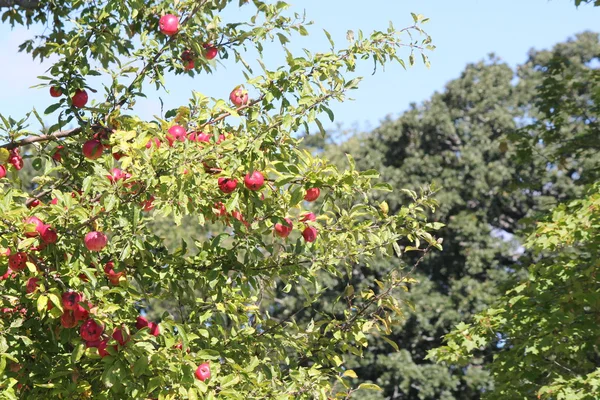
point(463, 31)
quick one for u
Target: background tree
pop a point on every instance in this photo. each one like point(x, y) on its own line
point(80, 257)
point(546, 326)
point(458, 141)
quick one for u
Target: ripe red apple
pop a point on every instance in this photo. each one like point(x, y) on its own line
point(92, 343)
point(58, 153)
point(187, 55)
point(120, 336)
point(154, 328)
point(102, 348)
point(239, 96)
point(17, 261)
point(116, 175)
point(189, 65)
point(219, 209)
point(227, 185)
point(8, 274)
point(15, 159)
point(254, 181)
point(312, 194)
point(112, 275)
point(203, 372)
point(80, 313)
point(169, 24)
point(2, 171)
point(67, 319)
point(141, 322)
point(210, 51)
point(80, 98)
point(176, 132)
point(308, 217)
point(199, 137)
point(33, 226)
point(71, 299)
point(147, 205)
point(33, 203)
point(32, 285)
point(95, 241)
point(91, 330)
point(55, 91)
point(92, 149)
point(48, 234)
point(153, 141)
point(310, 234)
point(284, 230)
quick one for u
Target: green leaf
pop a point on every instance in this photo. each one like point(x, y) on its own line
point(370, 386)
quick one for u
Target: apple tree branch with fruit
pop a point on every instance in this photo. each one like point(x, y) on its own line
point(78, 257)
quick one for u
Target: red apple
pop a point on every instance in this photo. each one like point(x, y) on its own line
point(67, 320)
point(71, 299)
point(312, 194)
point(284, 230)
point(187, 55)
point(93, 343)
point(32, 285)
point(118, 155)
point(91, 330)
point(199, 137)
point(219, 209)
point(176, 133)
point(254, 181)
point(169, 24)
point(55, 91)
point(33, 203)
point(2, 171)
point(95, 241)
point(15, 159)
point(33, 226)
point(153, 141)
point(189, 65)
point(227, 185)
point(92, 149)
point(8, 274)
point(239, 96)
point(203, 372)
point(120, 336)
point(80, 98)
point(141, 322)
point(81, 313)
point(310, 234)
point(17, 261)
point(112, 275)
point(147, 205)
point(116, 175)
point(210, 51)
point(58, 153)
point(308, 217)
point(48, 234)
point(154, 328)
point(102, 348)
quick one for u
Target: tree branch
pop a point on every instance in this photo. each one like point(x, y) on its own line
point(42, 138)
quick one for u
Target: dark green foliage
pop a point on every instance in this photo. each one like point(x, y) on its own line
point(458, 140)
point(549, 322)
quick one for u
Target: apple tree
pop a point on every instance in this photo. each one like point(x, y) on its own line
point(79, 260)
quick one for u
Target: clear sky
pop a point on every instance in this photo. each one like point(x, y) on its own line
point(464, 31)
